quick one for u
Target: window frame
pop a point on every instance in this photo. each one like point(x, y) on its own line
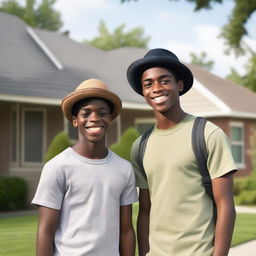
point(238, 143)
point(15, 110)
point(44, 125)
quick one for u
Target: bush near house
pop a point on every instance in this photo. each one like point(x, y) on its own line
point(13, 193)
point(123, 147)
point(60, 142)
point(245, 190)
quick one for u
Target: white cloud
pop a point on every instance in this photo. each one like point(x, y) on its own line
point(207, 39)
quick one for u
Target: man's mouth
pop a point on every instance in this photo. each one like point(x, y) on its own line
point(94, 128)
point(159, 99)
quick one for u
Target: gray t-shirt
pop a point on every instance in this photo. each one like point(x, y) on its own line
point(88, 193)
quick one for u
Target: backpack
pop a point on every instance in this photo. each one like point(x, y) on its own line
point(199, 148)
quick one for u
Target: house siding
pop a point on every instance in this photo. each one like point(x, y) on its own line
point(249, 126)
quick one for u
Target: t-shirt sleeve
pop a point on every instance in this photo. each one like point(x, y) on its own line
point(141, 180)
point(220, 159)
point(50, 190)
point(129, 194)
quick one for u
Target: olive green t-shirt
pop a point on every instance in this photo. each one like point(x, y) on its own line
point(181, 222)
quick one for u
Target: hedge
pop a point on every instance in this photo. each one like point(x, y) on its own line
point(13, 193)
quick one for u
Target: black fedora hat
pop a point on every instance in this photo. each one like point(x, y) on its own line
point(158, 58)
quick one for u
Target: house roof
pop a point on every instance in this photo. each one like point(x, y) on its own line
point(40, 66)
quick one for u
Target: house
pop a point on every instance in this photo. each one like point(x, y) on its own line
point(38, 68)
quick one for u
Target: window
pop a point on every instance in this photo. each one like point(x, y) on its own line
point(143, 124)
point(237, 142)
point(33, 136)
point(14, 136)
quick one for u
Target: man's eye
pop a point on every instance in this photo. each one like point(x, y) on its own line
point(103, 114)
point(165, 81)
point(86, 114)
point(147, 85)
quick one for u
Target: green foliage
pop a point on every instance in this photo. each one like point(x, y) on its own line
point(60, 142)
point(13, 193)
point(119, 38)
point(123, 147)
point(246, 197)
point(249, 79)
point(44, 16)
point(245, 190)
point(235, 29)
point(201, 60)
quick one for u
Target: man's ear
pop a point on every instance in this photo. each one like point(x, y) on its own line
point(74, 121)
point(180, 85)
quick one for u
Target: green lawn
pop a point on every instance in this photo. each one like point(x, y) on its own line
point(244, 228)
point(18, 234)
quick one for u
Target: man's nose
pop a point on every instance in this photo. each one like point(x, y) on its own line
point(94, 116)
point(157, 86)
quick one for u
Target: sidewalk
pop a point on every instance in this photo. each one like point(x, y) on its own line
point(245, 209)
point(245, 249)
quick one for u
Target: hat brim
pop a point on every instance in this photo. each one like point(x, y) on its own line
point(136, 69)
point(68, 102)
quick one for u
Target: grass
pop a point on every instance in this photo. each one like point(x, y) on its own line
point(244, 228)
point(18, 234)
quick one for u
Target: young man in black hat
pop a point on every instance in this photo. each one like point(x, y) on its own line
point(175, 213)
point(85, 193)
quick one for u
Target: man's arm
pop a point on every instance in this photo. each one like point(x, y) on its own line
point(143, 221)
point(48, 222)
point(127, 234)
point(223, 195)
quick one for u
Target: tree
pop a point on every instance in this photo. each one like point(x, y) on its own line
point(44, 16)
point(201, 61)
point(234, 31)
point(249, 79)
point(118, 38)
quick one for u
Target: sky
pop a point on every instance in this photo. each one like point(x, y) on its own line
point(173, 25)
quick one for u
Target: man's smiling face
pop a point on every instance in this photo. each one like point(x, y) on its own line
point(160, 89)
point(93, 120)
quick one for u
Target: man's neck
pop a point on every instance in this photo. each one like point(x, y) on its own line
point(91, 150)
point(166, 121)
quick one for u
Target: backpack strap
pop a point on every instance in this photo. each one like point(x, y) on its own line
point(141, 151)
point(200, 151)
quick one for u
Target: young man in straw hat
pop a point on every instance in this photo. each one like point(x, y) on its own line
point(85, 193)
point(175, 213)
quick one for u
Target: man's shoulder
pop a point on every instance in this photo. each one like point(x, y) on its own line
point(211, 128)
point(58, 160)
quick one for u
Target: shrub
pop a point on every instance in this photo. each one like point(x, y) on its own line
point(13, 193)
point(123, 147)
point(60, 142)
point(242, 184)
point(247, 197)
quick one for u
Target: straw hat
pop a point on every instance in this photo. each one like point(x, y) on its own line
point(158, 58)
point(92, 88)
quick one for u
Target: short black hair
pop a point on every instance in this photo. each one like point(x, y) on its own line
point(77, 106)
